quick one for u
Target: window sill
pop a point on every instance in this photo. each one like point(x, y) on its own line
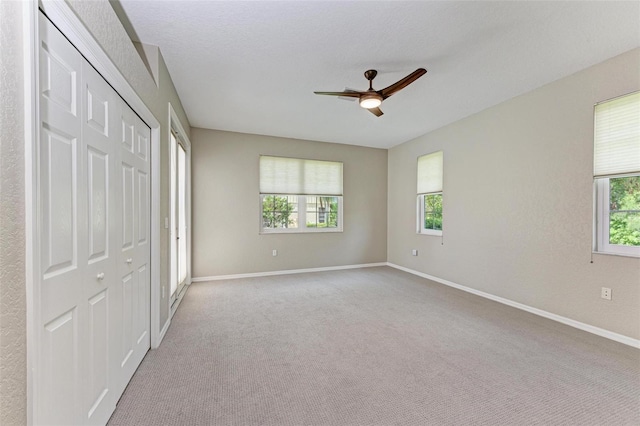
point(607, 253)
point(431, 232)
point(297, 231)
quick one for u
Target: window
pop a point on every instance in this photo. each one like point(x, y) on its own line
point(322, 212)
point(299, 195)
point(430, 194)
point(279, 211)
point(432, 211)
point(617, 175)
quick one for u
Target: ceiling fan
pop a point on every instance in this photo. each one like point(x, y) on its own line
point(371, 99)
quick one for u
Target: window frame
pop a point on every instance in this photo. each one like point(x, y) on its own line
point(421, 215)
point(602, 219)
point(302, 200)
point(430, 181)
point(616, 142)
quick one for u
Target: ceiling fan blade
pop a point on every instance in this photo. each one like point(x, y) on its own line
point(346, 94)
point(401, 84)
point(376, 111)
point(349, 99)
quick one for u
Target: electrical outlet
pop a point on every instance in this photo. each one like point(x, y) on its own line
point(163, 292)
point(414, 252)
point(606, 293)
point(274, 252)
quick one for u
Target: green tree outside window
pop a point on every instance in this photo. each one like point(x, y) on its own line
point(624, 211)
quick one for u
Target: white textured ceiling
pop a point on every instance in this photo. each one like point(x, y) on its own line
point(253, 66)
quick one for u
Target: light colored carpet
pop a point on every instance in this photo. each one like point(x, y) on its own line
point(374, 346)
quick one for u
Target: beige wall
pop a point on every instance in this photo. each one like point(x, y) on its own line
point(518, 202)
point(226, 205)
point(100, 19)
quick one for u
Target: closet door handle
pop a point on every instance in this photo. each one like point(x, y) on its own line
point(100, 276)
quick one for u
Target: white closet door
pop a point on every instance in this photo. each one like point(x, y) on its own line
point(61, 223)
point(134, 247)
point(93, 292)
point(99, 103)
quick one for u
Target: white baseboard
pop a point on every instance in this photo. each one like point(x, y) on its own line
point(165, 327)
point(285, 272)
point(172, 310)
point(174, 306)
point(564, 320)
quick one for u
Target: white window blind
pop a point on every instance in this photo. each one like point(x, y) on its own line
point(280, 175)
point(617, 136)
point(430, 173)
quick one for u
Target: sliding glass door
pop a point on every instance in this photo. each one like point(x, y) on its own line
point(179, 219)
point(182, 215)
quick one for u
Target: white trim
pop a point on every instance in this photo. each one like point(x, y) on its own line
point(176, 125)
point(156, 290)
point(604, 253)
point(186, 142)
point(286, 272)
point(164, 329)
point(602, 218)
point(302, 212)
point(420, 216)
point(564, 320)
point(179, 297)
point(31, 119)
point(174, 120)
point(596, 217)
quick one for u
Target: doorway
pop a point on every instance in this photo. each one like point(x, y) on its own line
point(179, 216)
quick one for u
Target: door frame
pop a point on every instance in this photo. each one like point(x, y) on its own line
point(61, 14)
point(183, 139)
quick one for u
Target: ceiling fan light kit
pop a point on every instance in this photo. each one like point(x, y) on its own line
point(371, 99)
